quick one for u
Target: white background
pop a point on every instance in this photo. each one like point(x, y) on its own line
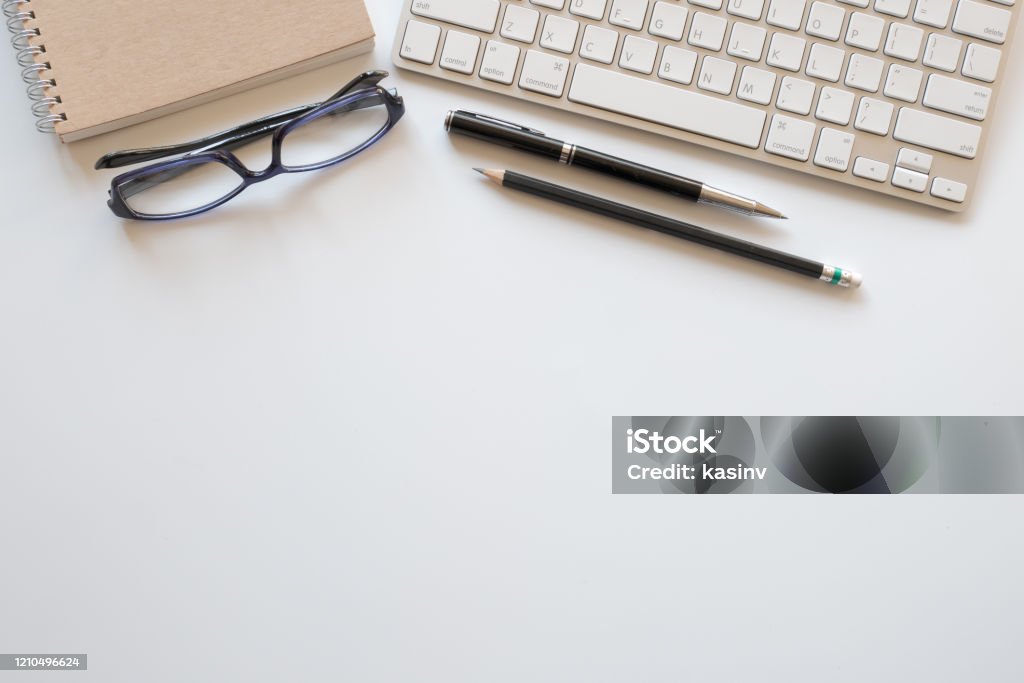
point(355, 424)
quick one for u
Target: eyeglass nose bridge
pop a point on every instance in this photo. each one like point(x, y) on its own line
point(249, 175)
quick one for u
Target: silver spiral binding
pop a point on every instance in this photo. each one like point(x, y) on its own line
point(27, 57)
point(20, 39)
point(48, 124)
point(37, 90)
point(41, 108)
point(30, 74)
point(34, 73)
point(16, 20)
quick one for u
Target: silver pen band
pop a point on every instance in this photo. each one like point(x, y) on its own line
point(568, 153)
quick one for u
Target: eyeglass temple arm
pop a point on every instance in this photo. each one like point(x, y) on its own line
point(244, 137)
point(256, 128)
point(234, 138)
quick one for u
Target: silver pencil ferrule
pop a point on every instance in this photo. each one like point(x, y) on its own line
point(841, 277)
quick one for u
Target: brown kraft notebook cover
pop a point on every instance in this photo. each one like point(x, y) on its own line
point(121, 62)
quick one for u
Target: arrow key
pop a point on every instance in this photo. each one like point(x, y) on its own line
point(943, 188)
point(871, 169)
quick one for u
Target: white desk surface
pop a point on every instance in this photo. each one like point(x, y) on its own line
point(356, 423)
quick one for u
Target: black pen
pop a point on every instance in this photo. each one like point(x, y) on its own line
point(670, 226)
point(513, 135)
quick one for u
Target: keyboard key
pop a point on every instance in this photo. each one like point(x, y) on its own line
point(896, 8)
point(481, 15)
point(904, 42)
point(544, 73)
point(903, 83)
point(520, 23)
point(638, 54)
point(856, 3)
point(949, 189)
point(550, 4)
point(747, 41)
point(871, 169)
point(420, 42)
point(834, 106)
point(710, 4)
point(786, 52)
point(915, 161)
point(668, 20)
point(789, 137)
point(677, 65)
point(909, 180)
point(864, 73)
point(957, 97)
point(668, 105)
point(981, 21)
point(499, 62)
point(937, 132)
point(628, 13)
point(599, 44)
point(874, 116)
point(748, 9)
point(717, 75)
point(825, 21)
point(834, 149)
point(707, 31)
point(795, 95)
point(756, 85)
point(865, 31)
point(591, 9)
point(981, 62)
point(786, 13)
point(559, 34)
point(933, 12)
point(942, 52)
point(825, 62)
point(459, 52)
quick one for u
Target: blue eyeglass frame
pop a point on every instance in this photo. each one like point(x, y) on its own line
point(363, 91)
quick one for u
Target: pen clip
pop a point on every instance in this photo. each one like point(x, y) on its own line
point(502, 122)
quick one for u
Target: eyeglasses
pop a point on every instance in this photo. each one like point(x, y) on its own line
point(306, 138)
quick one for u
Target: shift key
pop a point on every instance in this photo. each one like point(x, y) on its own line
point(481, 15)
point(937, 132)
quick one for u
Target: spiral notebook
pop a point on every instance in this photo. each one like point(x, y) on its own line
point(94, 67)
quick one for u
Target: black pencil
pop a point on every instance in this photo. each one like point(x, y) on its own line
point(671, 226)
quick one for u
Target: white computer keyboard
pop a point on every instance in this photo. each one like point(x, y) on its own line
point(889, 95)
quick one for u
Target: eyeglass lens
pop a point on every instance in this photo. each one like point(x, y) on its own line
point(333, 135)
point(180, 189)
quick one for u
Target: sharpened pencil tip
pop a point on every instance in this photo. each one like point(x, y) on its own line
point(491, 174)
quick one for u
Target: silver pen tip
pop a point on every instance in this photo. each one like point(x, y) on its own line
point(762, 210)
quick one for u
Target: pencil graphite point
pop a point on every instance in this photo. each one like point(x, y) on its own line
point(490, 173)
